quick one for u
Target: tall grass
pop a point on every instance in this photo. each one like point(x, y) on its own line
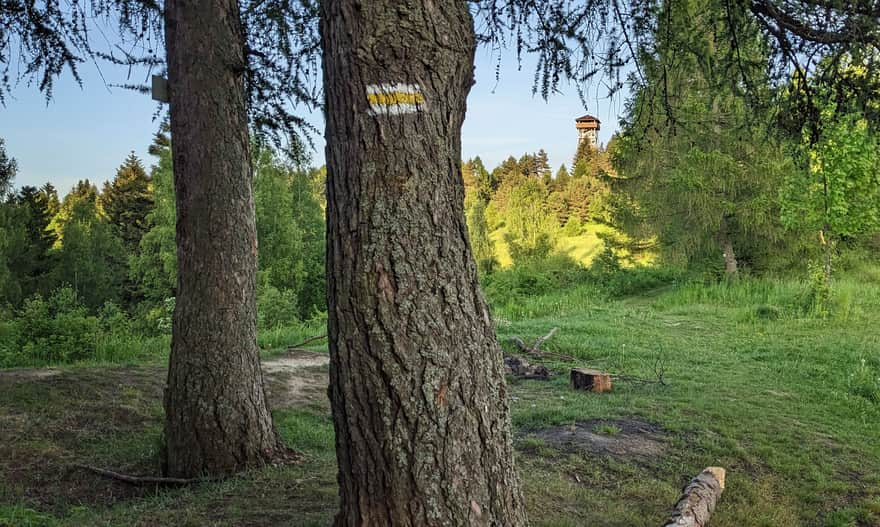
point(129, 349)
point(850, 297)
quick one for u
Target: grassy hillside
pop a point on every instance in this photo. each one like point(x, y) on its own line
point(581, 249)
point(787, 402)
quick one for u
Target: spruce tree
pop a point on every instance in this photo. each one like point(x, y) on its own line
point(8, 168)
point(31, 263)
point(562, 177)
point(153, 268)
point(127, 200)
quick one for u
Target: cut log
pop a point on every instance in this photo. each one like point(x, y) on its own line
point(590, 380)
point(698, 499)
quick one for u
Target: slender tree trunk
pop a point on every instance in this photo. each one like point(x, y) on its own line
point(217, 420)
point(416, 381)
point(825, 238)
point(730, 263)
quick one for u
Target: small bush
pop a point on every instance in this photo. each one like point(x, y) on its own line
point(276, 308)
point(636, 280)
point(114, 321)
point(529, 253)
point(817, 299)
point(10, 350)
point(533, 278)
point(573, 227)
point(57, 330)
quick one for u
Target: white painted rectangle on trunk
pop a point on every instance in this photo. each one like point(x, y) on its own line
point(395, 99)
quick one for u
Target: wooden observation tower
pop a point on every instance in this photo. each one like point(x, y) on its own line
point(588, 130)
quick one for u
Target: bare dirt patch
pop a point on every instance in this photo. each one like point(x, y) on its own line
point(622, 438)
point(29, 373)
point(297, 378)
point(294, 361)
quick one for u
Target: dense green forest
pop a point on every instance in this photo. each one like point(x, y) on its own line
point(92, 275)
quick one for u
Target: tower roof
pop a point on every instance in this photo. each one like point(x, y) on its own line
point(587, 118)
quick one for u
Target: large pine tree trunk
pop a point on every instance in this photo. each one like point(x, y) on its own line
point(217, 420)
point(416, 382)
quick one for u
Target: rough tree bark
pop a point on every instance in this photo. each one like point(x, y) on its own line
point(217, 420)
point(416, 379)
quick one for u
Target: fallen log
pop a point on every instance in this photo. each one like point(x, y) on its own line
point(590, 380)
point(698, 499)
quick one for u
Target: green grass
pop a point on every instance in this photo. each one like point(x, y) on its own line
point(776, 400)
point(581, 249)
point(754, 383)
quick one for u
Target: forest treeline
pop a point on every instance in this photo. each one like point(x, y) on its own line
point(717, 170)
point(98, 266)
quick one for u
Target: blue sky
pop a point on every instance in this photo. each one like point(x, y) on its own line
point(86, 133)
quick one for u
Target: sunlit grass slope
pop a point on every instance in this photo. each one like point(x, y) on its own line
point(582, 248)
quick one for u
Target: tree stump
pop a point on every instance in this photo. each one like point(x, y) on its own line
point(590, 380)
point(698, 499)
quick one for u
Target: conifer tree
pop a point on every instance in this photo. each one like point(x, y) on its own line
point(49, 197)
point(8, 168)
point(31, 262)
point(154, 265)
point(706, 184)
point(481, 243)
point(542, 166)
point(562, 177)
point(127, 200)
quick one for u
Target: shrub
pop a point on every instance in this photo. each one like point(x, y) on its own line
point(573, 227)
point(528, 252)
point(57, 330)
point(10, 350)
point(765, 312)
point(276, 308)
point(817, 300)
point(532, 278)
point(636, 280)
point(114, 321)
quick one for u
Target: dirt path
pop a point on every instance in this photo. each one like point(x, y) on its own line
point(297, 378)
point(293, 378)
point(294, 360)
